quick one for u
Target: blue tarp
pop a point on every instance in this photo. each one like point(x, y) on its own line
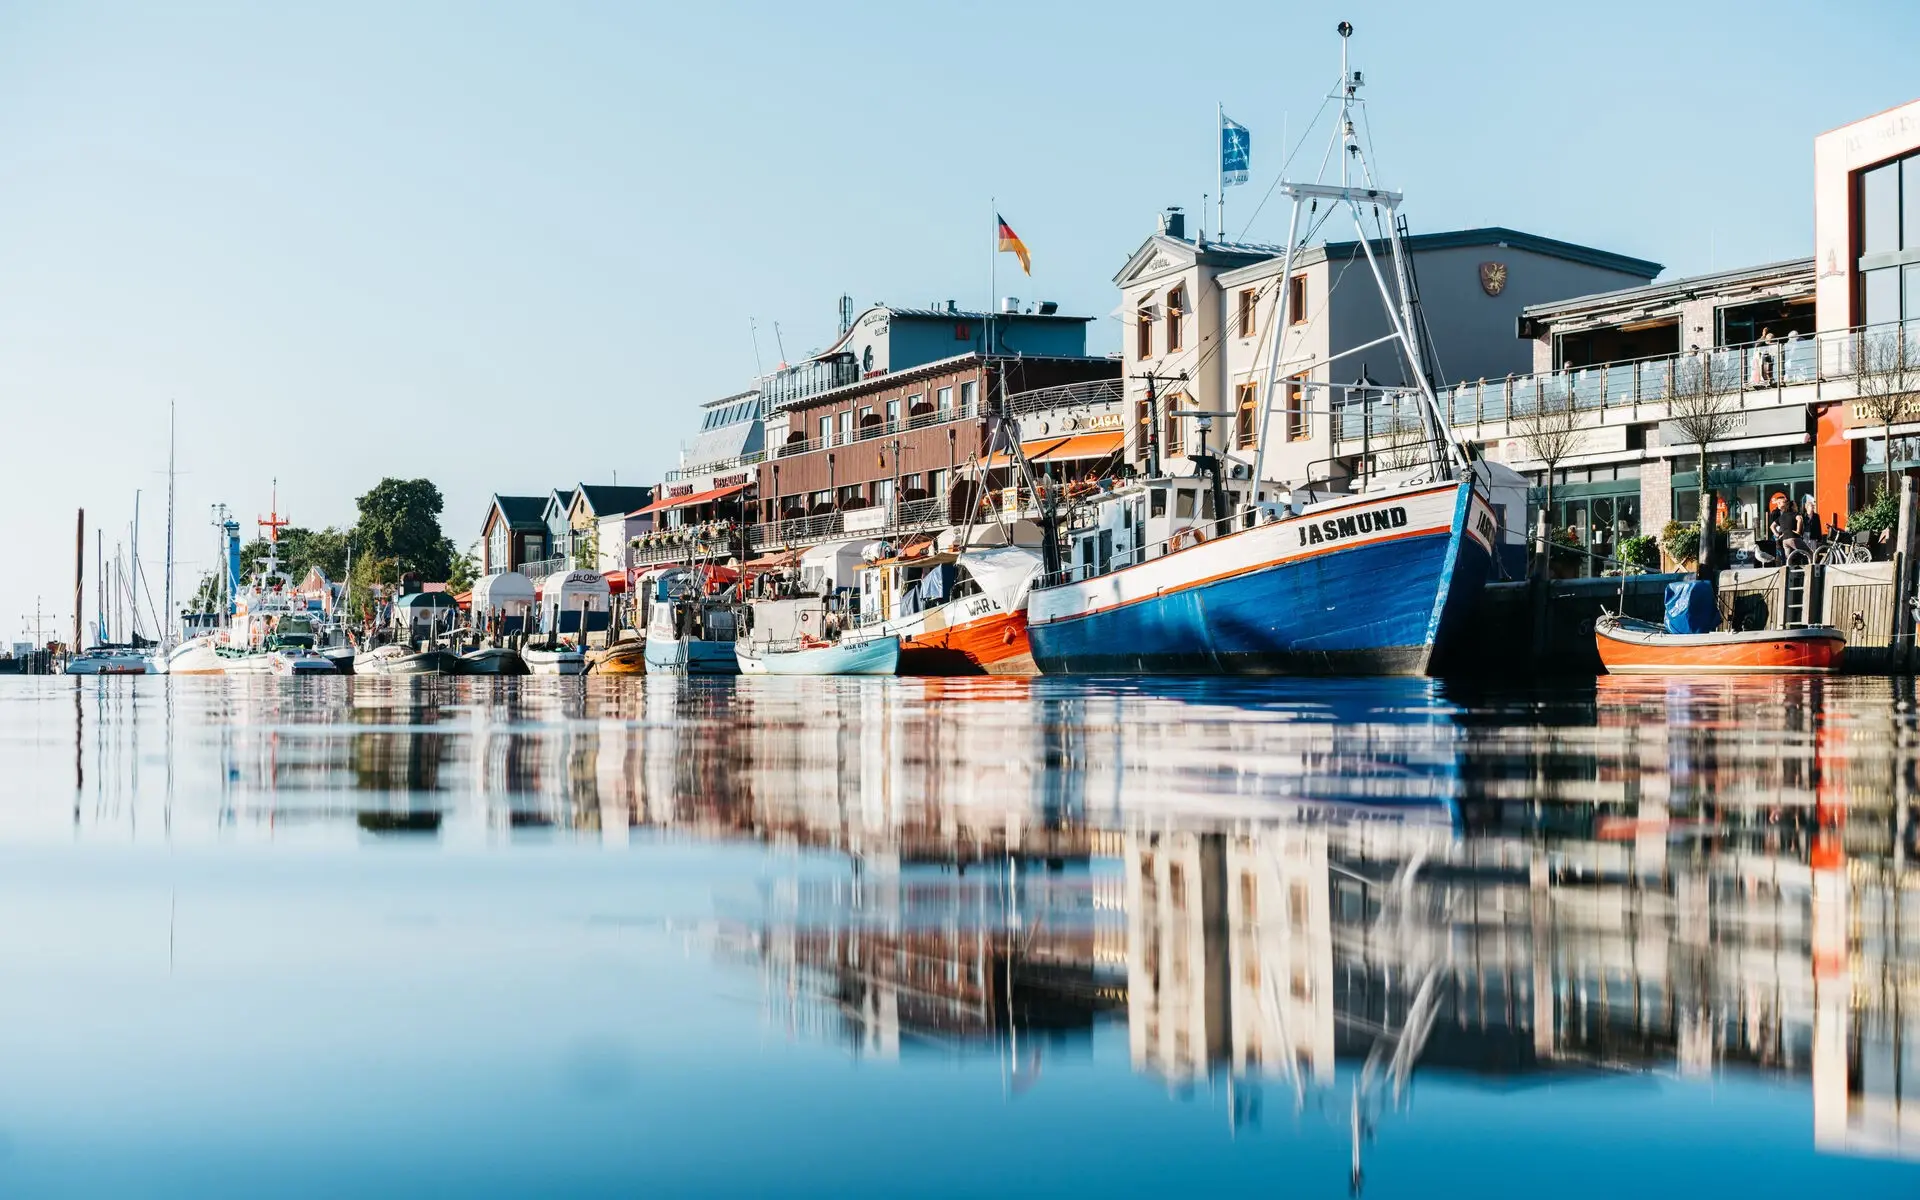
point(1690, 607)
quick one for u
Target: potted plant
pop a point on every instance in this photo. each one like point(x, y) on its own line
point(1638, 554)
point(1681, 542)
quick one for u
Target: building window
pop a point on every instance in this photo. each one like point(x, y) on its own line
point(1246, 425)
point(1297, 300)
point(1887, 206)
point(944, 398)
point(1176, 309)
point(893, 411)
point(1249, 898)
point(1143, 332)
point(497, 547)
point(846, 427)
point(826, 431)
point(1297, 424)
point(1171, 438)
point(967, 389)
point(1248, 298)
point(535, 548)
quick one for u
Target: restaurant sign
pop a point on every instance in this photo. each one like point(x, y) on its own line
point(1092, 422)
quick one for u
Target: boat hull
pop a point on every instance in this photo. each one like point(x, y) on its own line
point(993, 644)
point(875, 656)
point(115, 664)
point(418, 662)
point(1634, 649)
point(1376, 585)
point(493, 661)
point(690, 656)
point(622, 658)
point(555, 662)
point(283, 663)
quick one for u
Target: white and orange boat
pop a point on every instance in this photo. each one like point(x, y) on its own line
point(1631, 647)
point(955, 612)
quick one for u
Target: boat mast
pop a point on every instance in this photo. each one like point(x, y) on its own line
point(167, 615)
point(79, 573)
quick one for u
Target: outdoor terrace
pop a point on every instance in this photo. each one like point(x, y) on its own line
point(1797, 371)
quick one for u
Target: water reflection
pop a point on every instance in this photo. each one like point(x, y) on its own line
point(1304, 898)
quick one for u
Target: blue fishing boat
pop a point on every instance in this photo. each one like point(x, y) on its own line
point(1369, 565)
point(1366, 584)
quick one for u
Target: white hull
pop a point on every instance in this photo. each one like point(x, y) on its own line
point(110, 663)
point(554, 662)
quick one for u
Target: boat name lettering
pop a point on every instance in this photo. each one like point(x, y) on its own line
point(1484, 526)
point(1335, 529)
point(981, 606)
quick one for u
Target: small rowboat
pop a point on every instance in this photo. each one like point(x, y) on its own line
point(1630, 647)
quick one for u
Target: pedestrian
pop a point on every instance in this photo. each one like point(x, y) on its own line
point(1766, 357)
point(1810, 530)
point(1784, 524)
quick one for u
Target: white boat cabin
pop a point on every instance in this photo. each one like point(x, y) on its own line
point(502, 603)
point(571, 599)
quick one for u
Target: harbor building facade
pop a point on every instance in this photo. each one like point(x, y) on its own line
point(1796, 351)
point(1200, 319)
point(513, 534)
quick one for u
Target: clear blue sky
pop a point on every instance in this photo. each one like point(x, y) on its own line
point(510, 246)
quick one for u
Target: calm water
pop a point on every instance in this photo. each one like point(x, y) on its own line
point(915, 937)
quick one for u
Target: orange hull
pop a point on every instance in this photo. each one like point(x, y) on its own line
point(995, 645)
point(1632, 652)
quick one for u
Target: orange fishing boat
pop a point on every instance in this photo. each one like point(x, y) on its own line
point(1630, 647)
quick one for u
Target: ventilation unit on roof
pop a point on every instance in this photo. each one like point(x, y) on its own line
point(1049, 307)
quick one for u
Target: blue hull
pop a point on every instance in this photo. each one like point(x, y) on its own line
point(687, 656)
point(1386, 608)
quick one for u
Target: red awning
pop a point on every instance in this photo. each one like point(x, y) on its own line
point(1059, 449)
point(684, 501)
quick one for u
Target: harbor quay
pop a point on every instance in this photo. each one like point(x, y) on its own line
point(1619, 416)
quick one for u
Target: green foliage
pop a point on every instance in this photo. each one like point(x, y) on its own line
point(206, 597)
point(301, 549)
point(1883, 513)
point(464, 568)
point(369, 572)
point(1681, 540)
point(400, 524)
point(1642, 551)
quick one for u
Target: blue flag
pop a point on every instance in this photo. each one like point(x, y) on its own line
point(1236, 151)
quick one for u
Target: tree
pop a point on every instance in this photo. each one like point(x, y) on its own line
point(1704, 412)
point(1551, 432)
point(464, 569)
point(301, 549)
point(400, 522)
point(370, 573)
point(1887, 389)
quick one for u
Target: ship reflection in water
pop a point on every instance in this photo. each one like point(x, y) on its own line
point(1317, 937)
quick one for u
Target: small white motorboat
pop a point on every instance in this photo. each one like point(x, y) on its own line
point(557, 659)
point(846, 656)
point(110, 660)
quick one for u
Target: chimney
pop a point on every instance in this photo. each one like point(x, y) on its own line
point(1173, 222)
point(1009, 305)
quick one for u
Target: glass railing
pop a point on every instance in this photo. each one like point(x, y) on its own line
point(1758, 371)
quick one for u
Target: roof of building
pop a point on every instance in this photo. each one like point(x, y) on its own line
point(558, 500)
point(520, 512)
point(1492, 235)
point(1740, 279)
point(608, 499)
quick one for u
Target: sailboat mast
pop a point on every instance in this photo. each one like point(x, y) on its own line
point(79, 573)
point(133, 580)
point(167, 617)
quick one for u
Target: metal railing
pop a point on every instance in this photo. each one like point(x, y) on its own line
point(1759, 374)
point(717, 466)
point(540, 568)
point(910, 516)
point(879, 429)
point(1092, 393)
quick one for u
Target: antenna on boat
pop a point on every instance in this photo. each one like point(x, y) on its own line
point(1397, 300)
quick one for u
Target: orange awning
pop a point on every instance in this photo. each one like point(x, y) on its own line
point(684, 501)
point(1072, 446)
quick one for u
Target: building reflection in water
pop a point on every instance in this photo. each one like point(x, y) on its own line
point(1305, 893)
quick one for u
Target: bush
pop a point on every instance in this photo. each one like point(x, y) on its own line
point(1681, 540)
point(1641, 552)
point(1883, 513)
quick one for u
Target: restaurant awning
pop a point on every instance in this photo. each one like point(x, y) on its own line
point(684, 501)
point(1062, 449)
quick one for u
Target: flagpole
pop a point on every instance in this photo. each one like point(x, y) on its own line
point(993, 261)
point(1220, 150)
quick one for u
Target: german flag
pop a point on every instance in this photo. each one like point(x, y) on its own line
point(1010, 243)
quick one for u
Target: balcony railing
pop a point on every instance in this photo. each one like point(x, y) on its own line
point(1094, 393)
point(880, 429)
point(714, 468)
point(910, 516)
point(1758, 374)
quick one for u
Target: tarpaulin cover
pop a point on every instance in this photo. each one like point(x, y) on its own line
point(936, 584)
point(1690, 607)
